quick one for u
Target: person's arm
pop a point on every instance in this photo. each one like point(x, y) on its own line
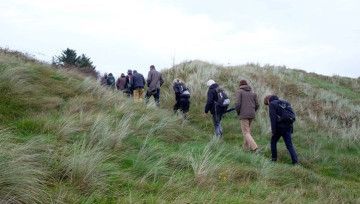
point(161, 80)
point(256, 103)
point(273, 117)
point(143, 80)
point(149, 79)
point(238, 102)
point(209, 102)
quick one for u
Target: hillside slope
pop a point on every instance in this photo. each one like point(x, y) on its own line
point(65, 139)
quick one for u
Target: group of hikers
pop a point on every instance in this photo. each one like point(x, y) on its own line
point(133, 84)
point(281, 114)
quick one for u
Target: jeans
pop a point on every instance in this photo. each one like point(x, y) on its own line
point(217, 123)
point(286, 135)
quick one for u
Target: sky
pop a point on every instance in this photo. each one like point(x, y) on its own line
point(318, 36)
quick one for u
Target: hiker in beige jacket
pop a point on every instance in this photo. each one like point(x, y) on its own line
point(246, 107)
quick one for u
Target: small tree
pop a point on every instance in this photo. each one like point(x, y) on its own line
point(69, 59)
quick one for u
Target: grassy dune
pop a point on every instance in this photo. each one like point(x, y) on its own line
point(66, 139)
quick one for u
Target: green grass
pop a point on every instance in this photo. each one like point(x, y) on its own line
point(66, 139)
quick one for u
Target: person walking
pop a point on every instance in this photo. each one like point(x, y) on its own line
point(138, 83)
point(281, 118)
point(110, 81)
point(154, 82)
point(216, 109)
point(103, 79)
point(182, 97)
point(128, 87)
point(121, 82)
point(246, 106)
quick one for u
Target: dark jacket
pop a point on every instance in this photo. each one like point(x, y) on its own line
point(179, 88)
point(154, 80)
point(277, 127)
point(212, 97)
point(120, 83)
point(246, 102)
point(138, 81)
point(128, 85)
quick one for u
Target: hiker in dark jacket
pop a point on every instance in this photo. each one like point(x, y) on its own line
point(103, 79)
point(279, 129)
point(128, 88)
point(182, 96)
point(138, 83)
point(246, 106)
point(216, 111)
point(121, 82)
point(110, 81)
point(154, 82)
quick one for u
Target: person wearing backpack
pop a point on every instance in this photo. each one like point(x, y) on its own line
point(128, 87)
point(217, 103)
point(138, 83)
point(282, 118)
point(110, 81)
point(246, 107)
point(182, 96)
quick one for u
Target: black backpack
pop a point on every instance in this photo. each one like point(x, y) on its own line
point(179, 88)
point(285, 112)
point(110, 80)
point(223, 100)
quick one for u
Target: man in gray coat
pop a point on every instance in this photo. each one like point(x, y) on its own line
point(246, 107)
point(154, 82)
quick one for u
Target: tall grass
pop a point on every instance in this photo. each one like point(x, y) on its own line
point(70, 140)
point(22, 178)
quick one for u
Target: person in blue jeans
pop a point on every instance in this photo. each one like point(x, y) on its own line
point(216, 111)
point(279, 129)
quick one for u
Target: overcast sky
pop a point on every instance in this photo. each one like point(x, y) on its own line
point(321, 36)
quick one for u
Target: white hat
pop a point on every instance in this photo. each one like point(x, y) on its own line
point(210, 82)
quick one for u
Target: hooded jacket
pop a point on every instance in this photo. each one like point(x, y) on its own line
point(154, 80)
point(211, 99)
point(246, 102)
point(120, 83)
point(138, 81)
point(276, 127)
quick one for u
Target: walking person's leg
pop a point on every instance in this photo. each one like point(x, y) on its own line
point(290, 146)
point(157, 97)
point(249, 142)
point(136, 95)
point(216, 125)
point(274, 139)
point(141, 95)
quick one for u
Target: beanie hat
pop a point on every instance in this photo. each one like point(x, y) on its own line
point(210, 82)
point(243, 82)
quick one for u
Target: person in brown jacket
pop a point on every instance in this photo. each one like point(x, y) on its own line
point(246, 107)
point(154, 82)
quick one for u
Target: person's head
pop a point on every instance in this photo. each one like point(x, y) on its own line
point(134, 72)
point(110, 74)
point(129, 71)
point(210, 82)
point(269, 98)
point(122, 75)
point(152, 67)
point(243, 82)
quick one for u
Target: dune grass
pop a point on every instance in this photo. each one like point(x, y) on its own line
point(66, 139)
